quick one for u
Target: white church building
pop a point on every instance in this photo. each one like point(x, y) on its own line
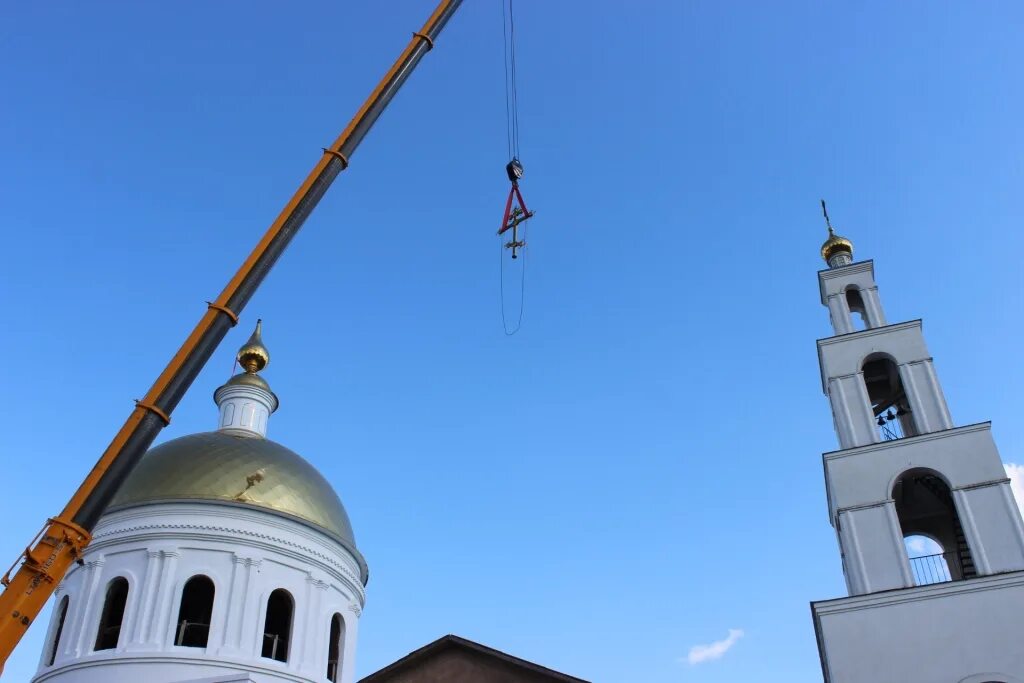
point(225, 558)
point(905, 470)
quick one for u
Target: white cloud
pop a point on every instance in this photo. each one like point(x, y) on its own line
point(1016, 475)
point(706, 653)
point(921, 545)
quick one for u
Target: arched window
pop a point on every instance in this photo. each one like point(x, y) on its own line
point(195, 612)
point(112, 615)
point(855, 302)
point(889, 402)
point(277, 627)
point(335, 648)
point(62, 613)
point(935, 541)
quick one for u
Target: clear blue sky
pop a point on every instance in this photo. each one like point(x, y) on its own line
point(636, 472)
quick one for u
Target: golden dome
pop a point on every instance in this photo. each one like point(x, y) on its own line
point(253, 356)
point(835, 244)
point(238, 470)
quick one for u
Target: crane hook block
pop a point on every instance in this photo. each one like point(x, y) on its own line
point(514, 169)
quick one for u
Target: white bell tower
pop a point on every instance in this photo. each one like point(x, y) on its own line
point(905, 471)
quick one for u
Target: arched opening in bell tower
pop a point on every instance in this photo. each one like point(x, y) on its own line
point(927, 512)
point(889, 403)
point(858, 311)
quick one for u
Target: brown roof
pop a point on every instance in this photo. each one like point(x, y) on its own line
point(465, 660)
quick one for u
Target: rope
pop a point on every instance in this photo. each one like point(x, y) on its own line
point(522, 287)
point(508, 34)
point(504, 59)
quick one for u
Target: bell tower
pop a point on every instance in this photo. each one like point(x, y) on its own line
point(931, 540)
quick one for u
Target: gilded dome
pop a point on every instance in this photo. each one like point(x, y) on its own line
point(834, 244)
point(237, 470)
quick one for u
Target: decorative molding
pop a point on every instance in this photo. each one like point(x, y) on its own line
point(316, 582)
point(981, 484)
point(870, 332)
point(111, 536)
point(246, 561)
point(928, 592)
point(231, 666)
point(354, 609)
point(896, 443)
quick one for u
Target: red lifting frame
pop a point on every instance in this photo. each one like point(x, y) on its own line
point(514, 192)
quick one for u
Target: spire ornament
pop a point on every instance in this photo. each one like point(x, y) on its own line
point(837, 250)
point(253, 356)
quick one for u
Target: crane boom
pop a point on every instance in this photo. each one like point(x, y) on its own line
point(37, 571)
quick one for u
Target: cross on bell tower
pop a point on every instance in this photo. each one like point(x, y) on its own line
point(905, 471)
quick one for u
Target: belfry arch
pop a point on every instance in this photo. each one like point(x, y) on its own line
point(890, 405)
point(925, 507)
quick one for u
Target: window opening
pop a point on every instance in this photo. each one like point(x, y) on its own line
point(858, 312)
point(889, 403)
point(112, 615)
point(335, 648)
point(62, 613)
point(933, 537)
point(278, 625)
point(195, 612)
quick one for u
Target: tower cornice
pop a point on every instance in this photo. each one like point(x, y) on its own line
point(828, 274)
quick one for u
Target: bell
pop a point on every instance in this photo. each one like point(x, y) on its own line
point(889, 416)
point(881, 421)
point(901, 411)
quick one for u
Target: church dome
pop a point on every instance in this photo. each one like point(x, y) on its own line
point(237, 470)
point(835, 244)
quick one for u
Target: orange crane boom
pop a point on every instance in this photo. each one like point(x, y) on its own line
point(35, 574)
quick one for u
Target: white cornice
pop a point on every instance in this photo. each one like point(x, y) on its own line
point(906, 441)
point(852, 269)
point(917, 593)
point(229, 527)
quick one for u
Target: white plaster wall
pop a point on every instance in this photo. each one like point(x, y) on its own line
point(841, 360)
point(940, 633)
point(859, 483)
point(842, 356)
point(964, 456)
point(851, 411)
point(835, 280)
point(872, 545)
point(244, 409)
point(247, 553)
point(833, 284)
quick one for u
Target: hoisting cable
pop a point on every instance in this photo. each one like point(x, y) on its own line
point(522, 289)
point(516, 212)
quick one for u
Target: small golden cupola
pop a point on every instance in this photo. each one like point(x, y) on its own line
point(245, 400)
point(253, 356)
point(837, 250)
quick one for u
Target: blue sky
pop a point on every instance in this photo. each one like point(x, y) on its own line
point(638, 470)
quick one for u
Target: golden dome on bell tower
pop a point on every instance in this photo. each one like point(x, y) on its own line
point(835, 245)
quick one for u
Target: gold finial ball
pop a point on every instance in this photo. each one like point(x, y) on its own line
point(834, 245)
point(253, 356)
